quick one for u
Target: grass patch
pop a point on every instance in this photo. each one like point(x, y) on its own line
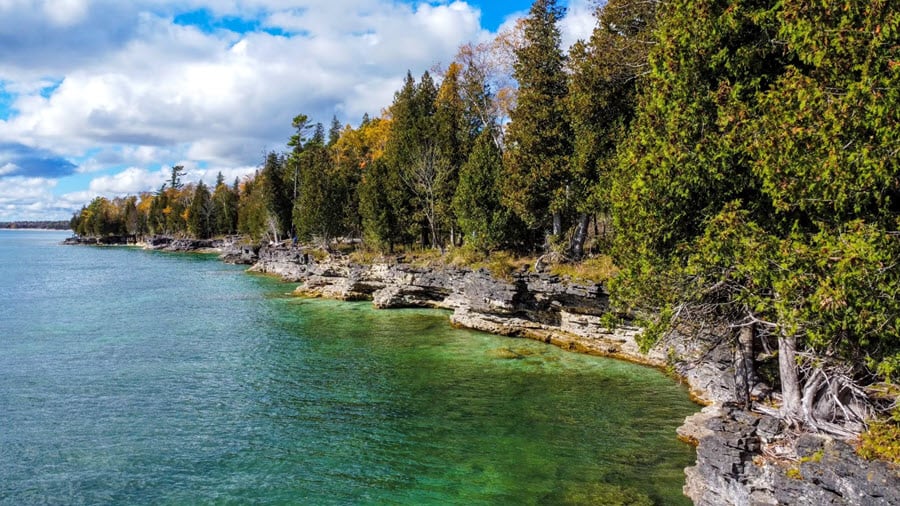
point(598, 269)
point(882, 440)
point(502, 265)
point(364, 256)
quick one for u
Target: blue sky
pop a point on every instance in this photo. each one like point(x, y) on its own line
point(100, 97)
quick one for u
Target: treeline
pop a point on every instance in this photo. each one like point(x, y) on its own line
point(175, 209)
point(42, 225)
point(741, 157)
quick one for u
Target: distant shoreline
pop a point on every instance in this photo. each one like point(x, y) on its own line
point(35, 225)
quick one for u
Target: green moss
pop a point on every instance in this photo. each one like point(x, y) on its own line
point(815, 457)
point(882, 440)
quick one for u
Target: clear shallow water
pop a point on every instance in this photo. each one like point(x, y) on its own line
point(133, 377)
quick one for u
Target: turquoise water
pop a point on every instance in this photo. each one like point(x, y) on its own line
point(134, 377)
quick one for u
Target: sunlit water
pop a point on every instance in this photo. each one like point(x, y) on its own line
point(132, 377)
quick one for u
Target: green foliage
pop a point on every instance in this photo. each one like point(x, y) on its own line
point(252, 211)
point(482, 219)
point(176, 173)
point(598, 269)
point(379, 221)
point(319, 206)
point(224, 208)
point(605, 72)
point(199, 221)
point(539, 136)
point(882, 439)
point(758, 183)
point(276, 195)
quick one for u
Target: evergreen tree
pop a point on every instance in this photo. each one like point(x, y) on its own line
point(452, 143)
point(224, 207)
point(318, 211)
point(177, 172)
point(403, 150)
point(277, 196)
point(539, 137)
point(199, 222)
point(379, 222)
point(755, 193)
point(157, 219)
point(605, 72)
point(334, 132)
point(483, 220)
point(134, 222)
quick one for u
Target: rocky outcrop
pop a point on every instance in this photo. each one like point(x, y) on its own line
point(237, 253)
point(731, 469)
point(165, 243)
point(109, 240)
point(533, 305)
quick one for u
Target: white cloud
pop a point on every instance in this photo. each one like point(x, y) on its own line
point(9, 168)
point(65, 12)
point(129, 181)
point(226, 97)
point(23, 198)
point(116, 84)
point(578, 23)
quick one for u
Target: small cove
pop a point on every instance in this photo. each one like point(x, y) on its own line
point(139, 377)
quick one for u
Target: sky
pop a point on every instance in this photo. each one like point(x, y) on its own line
point(102, 97)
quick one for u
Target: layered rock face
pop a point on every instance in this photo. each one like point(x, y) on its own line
point(534, 305)
point(730, 471)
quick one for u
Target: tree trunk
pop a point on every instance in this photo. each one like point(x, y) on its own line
point(791, 407)
point(743, 366)
point(576, 248)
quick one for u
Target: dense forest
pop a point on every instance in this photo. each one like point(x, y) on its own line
point(738, 162)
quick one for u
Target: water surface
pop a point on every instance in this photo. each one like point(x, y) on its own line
point(135, 377)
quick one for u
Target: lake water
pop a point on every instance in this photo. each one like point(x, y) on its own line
point(136, 377)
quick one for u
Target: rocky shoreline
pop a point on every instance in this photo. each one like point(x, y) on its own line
point(740, 455)
point(737, 451)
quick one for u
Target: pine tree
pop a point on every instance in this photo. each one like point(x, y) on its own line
point(605, 72)
point(175, 178)
point(453, 142)
point(277, 195)
point(224, 208)
point(199, 223)
point(334, 132)
point(483, 220)
point(539, 137)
